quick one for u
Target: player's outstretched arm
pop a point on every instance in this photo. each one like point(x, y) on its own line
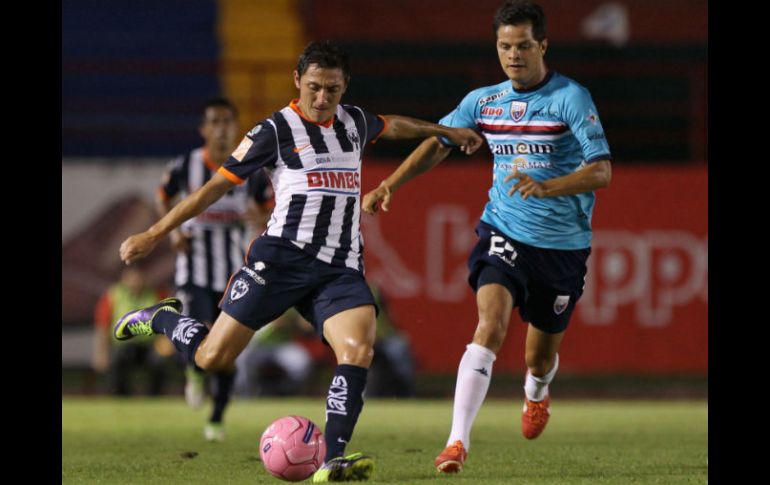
point(593, 176)
point(179, 241)
point(426, 156)
point(140, 245)
point(402, 127)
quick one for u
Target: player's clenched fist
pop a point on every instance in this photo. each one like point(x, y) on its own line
point(136, 247)
point(371, 200)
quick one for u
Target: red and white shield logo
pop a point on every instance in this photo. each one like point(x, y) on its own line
point(518, 109)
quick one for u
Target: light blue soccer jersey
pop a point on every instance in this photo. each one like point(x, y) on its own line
point(548, 131)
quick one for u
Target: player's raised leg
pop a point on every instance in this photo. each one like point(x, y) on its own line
point(542, 361)
point(495, 303)
point(351, 334)
point(212, 350)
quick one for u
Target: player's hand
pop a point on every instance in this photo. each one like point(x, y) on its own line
point(468, 140)
point(180, 242)
point(527, 186)
point(136, 247)
point(372, 199)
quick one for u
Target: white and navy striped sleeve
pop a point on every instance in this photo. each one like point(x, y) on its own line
point(368, 125)
point(175, 177)
point(375, 126)
point(258, 149)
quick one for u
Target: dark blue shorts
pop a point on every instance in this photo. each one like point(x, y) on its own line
point(279, 275)
point(200, 303)
point(545, 283)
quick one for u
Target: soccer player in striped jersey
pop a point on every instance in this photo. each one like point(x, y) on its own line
point(211, 246)
point(550, 154)
point(310, 256)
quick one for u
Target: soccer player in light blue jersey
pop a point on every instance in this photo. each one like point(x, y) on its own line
point(550, 154)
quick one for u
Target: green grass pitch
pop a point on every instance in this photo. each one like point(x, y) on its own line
point(147, 441)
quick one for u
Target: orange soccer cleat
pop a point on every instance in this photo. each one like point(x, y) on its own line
point(452, 458)
point(534, 417)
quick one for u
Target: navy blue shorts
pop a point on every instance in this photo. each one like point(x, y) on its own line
point(279, 275)
point(545, 283)
point(200, 303)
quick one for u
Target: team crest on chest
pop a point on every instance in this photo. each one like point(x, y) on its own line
point(353, 137)
point(518, 109)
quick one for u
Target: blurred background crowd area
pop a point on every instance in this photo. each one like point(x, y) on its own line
point(135, 75)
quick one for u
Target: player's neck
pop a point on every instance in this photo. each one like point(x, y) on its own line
point(534, 83)
point(296, 105)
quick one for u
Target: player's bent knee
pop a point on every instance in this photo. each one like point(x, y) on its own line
point(490, 333)
point(356, 353)
point(214, 359)
point(537, 363)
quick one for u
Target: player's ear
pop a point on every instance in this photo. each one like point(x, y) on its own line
point(544, 46)
point(296, 79)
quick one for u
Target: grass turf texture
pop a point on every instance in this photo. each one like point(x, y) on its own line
point(160, 441)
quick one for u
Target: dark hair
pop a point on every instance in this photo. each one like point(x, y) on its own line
point(517, 12)
point(218, 102)
point(325, 54)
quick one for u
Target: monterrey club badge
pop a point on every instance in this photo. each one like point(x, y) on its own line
point(518, 109)
point(353, 137)
point(560, 304)
point(240, 288)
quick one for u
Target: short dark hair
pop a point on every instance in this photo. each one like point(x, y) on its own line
point(516, 12)
point(325, 54)
point(218, 102)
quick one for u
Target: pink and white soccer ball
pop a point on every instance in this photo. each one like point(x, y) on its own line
point(292, 448)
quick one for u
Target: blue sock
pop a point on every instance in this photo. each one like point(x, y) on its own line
point(224, 387)
point(343, 405)
point(184, 332)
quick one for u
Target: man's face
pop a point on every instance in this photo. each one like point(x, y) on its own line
point(219, 128)
point(320, 91)
point(521, 56)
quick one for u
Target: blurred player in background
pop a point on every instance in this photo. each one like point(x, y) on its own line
point(550, 154)
point(275, 363)
point(120, 360)
point(310, 256)
point(211, 246)
point(393, 369)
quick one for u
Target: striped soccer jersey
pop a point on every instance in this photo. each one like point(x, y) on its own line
point(217, 244)
point(316, 173)
point(547, 131)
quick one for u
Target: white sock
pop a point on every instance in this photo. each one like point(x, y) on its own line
point(473, 378)
point(536, 388)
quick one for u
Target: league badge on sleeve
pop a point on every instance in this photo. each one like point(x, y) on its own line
point(242, 149)
point(518, 109)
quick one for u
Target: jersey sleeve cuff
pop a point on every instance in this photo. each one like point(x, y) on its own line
point(384, 128)
point(599, 158)
point(230, 176)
